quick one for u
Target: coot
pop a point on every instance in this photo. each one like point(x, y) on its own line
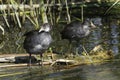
point(37, 41)
point(77, 30)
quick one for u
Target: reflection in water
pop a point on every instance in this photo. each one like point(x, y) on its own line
point(91, 72)
point(100, 35)
point(108, 71)
point(114, 38)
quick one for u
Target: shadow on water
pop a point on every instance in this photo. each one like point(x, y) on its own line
point(108, 71)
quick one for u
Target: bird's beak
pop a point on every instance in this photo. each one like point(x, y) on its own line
point(41, 29)
point(92, 25)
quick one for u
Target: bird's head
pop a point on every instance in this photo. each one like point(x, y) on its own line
point(88, 22)
point(46, 27)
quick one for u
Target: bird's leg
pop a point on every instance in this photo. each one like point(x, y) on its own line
point(41, 62)
point(87, 54)
point(70, 47)
point(29, 60)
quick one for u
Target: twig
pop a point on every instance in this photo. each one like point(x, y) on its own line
point(68, 14)
point(111, 7)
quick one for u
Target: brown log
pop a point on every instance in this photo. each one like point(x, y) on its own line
point(13, 65)
point(22, 65)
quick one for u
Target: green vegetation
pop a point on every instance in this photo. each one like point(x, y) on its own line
point(20, 16)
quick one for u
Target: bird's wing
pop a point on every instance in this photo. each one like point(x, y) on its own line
point(43, 39)
point(30, 33)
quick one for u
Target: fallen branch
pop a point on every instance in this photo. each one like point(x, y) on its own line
point(13, 65)
point(25, 64)
point(63, 61)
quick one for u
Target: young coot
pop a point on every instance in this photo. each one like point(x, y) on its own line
point(37, 41)
point(76, 30)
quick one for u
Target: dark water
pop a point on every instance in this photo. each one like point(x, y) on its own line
point(107, 71)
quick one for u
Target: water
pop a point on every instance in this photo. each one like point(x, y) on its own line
point(107, 71)
point(115, 38)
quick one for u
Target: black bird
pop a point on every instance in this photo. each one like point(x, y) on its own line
point(37, 41)
point(77, 30)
